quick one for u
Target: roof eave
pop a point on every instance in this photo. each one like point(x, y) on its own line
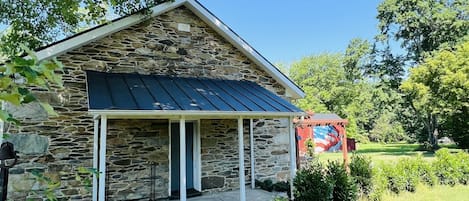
point(168, 114)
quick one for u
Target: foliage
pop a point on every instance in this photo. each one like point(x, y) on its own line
point(268, 185)
point(439, 88)
point(279, 198)
point(344, 188)
point(19, 75)
point(312, 183)
point(387, 129)
point(319, 182)
point(423, 25)
point(448, 167)
point(361, 170)
point(309, 143)
point(265, 185)
point(340, 84)
point(379, 184)
point(51, 186)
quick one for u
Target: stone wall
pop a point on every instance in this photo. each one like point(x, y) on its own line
point(220, 154)
point(134, 147)
point(57, 146)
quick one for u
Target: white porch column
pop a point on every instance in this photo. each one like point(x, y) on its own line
point(253, 160)
point(182, 159)
point(292, 137)
point(95, 157)
point(102, 159)
point(242, 182)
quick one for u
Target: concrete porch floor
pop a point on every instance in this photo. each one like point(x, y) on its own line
point(251, 195)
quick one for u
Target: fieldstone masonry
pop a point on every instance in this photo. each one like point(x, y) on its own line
point(57, 146)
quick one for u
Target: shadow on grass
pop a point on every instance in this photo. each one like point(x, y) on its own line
point(389, 148)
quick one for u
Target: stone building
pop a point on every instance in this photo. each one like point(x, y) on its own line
point(140, 91)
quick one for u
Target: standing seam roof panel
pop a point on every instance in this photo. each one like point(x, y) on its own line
point(119, 91)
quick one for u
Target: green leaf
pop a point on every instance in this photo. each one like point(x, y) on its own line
point(4, 115)
point(49, 109)
point(30, 53)
point(13, 98)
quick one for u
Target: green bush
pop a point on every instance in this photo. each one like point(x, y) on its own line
point(312, 183)
point(379, 184)
point(266, 185)
point(446, 166)
point(396, 181)
point(330, 183)
point(425, 171)
point(463, 159)
point(362, 171)
point(409, 170)
point(344, 187)
point(281, 186)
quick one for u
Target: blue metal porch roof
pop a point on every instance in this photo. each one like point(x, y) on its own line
point(118, 91)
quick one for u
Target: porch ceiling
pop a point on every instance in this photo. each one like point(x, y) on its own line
point(119, 94)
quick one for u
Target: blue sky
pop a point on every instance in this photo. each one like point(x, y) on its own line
point(286, 31)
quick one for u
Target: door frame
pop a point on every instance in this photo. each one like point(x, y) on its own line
point(197, 162)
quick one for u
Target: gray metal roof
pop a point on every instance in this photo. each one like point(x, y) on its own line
point(324, 116)
point(118, 91)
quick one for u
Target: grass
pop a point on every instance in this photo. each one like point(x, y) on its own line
point(383, 152)
point(436, 193)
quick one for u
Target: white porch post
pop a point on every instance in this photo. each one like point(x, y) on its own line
point(292, 137)
point(182, 159)
point(102, 159)
point(95, 157)
point(242, 182)
point(253, 160)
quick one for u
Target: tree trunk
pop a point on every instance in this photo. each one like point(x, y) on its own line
point(435, 132)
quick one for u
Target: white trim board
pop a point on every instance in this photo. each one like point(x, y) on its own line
point(292, 90)
point(176, 114)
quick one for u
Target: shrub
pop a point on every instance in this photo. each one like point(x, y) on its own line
point(396, 182)
point(344, 188)
point(379, 184)
point(409, 170)
point(266, 185)
point(361, 170)
point(282, 186)
point(446, 167)
point(312, 183)
point(463, 159)
point(425, 171)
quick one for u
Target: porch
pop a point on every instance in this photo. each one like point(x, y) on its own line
point(181, 106)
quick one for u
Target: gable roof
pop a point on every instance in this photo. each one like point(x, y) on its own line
point(80, 39)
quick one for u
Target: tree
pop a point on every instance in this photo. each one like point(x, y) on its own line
point(324, 79)
point(357, 59)
point(421, 26)
point(438, 89)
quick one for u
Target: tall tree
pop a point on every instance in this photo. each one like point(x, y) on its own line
point(422, 26)
point(438, 89)
point(418, 27)
point(324, 79)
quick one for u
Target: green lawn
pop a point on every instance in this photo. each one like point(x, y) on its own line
point(437, 193)
point(382, 152)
